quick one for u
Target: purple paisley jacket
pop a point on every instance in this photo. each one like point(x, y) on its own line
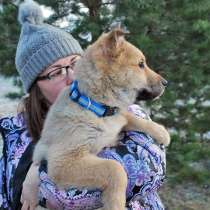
point(143, 160)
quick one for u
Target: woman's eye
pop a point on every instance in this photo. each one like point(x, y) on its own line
point(73, 64)
point(56, 73)
point(141, 65)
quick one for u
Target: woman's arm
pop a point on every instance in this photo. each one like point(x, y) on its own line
point(29, 198)
point(38, 183)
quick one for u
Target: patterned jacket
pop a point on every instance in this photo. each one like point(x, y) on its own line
point(143, 160)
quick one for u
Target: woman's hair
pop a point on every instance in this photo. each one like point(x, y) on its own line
point(35, 108)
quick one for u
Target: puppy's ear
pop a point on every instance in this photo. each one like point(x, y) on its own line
point(112, 43)
point(115, 38)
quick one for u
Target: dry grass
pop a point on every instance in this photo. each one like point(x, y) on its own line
point(186, 196)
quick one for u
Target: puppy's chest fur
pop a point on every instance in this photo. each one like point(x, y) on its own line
point(73, 126)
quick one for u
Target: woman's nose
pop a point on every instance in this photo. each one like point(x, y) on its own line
point(69, 77)
point(68, 80)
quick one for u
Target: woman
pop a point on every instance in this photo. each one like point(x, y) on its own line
point(44, 59)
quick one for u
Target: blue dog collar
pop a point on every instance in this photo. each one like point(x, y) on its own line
point(101, 110)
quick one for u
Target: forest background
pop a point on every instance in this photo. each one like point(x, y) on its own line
point(175, 37)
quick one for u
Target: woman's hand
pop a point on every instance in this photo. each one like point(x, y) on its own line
point(29, 196)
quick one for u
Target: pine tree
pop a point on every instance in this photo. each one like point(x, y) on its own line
point(9, 33)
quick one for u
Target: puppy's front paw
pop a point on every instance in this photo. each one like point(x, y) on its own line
point(161, 135)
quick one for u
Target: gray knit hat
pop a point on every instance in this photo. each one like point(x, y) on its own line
point(40, 44)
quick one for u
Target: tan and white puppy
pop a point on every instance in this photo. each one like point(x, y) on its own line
point(114, 72)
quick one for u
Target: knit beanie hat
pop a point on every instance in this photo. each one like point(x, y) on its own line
point(40, 44)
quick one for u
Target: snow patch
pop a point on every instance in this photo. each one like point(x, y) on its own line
point(7, 106)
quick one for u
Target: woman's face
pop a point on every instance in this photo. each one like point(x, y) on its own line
point(57, 76)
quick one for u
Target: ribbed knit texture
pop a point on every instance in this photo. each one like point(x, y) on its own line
point(40, 45)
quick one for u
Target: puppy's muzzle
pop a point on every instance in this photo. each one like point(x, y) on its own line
point(152, 92)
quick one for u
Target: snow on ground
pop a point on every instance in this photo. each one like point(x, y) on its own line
point(7, 106)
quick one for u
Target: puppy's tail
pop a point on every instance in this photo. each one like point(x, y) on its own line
point(40, 152)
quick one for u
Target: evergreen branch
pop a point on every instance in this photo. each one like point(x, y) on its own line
point(11, 3)
point(108, 3)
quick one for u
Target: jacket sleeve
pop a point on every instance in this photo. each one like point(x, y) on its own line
point(4, 126)
point(75, 199)
point(4, 203)
point(15, 160)
point(1, 137)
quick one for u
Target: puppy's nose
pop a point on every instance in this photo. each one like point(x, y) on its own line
point(164, 82)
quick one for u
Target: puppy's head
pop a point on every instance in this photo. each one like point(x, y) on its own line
point(125, 67)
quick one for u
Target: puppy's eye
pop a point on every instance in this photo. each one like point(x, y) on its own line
point(141, 65)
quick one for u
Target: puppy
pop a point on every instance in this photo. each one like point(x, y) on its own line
point(111, 75)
